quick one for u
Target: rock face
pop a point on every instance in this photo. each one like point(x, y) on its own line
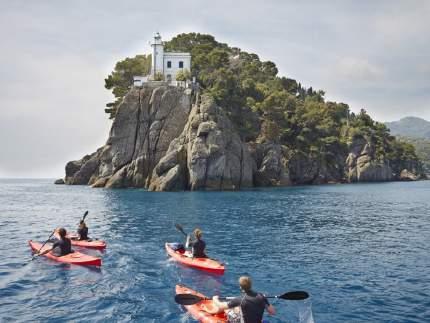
point(406, 175)
point(271, 164)
point(162, 142)
point(361, 165)
point(147, 120)
point(207, 155)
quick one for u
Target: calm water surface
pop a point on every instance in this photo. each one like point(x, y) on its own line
point(361, 251)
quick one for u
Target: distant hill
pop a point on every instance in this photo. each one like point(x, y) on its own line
point(415, 131)
point(411, 127)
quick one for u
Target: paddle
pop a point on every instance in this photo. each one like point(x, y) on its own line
point(85, 215)
point(190, 299)
point(37, 254)
point(180, 229)
point(83, 219)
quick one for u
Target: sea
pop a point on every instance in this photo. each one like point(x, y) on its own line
point(361, 251)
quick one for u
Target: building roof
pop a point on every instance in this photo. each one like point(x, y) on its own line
point(176, 54)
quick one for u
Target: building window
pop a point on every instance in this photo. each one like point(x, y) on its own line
point(181, 64)
point(169, 64)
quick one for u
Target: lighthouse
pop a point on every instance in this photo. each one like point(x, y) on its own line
point(168, 64)
point(164, 64)
point(157, 65)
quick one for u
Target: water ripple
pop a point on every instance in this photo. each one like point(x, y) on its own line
point(361, 251)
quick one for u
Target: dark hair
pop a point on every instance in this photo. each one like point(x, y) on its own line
point(62, 232)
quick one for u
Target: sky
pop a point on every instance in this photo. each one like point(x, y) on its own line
point(55, 55)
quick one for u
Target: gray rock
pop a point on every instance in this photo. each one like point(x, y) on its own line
point(208, 155)
point(406, 175)
point(147, 121)
point(303, 168)
point(362, 166)
point(59, 181)
point(271, 161)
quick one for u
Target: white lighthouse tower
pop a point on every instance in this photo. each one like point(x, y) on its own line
point(165, 64)
point(157, 56)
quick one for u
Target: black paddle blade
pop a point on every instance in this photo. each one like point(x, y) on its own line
point(180, 228)
point(188, 299)
point(85, 215)
point(294, 296)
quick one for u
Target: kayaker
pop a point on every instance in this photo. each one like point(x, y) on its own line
point(198, 245)
point(62, 246)
point(82, 231)
point(250, 306)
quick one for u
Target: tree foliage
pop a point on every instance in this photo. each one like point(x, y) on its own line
point(183, 75)
point(120, 80)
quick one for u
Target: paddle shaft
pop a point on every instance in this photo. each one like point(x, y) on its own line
point(52, 233)
point(180, 229)
point(228, 298)
point(190, 299)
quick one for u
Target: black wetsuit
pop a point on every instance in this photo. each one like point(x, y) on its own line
point(198, 248)
point(83, 233)
point(62, 247)
point(252, 306)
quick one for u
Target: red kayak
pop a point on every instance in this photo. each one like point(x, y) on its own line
point(205, 264)
point(93, 244)
point(75, 258)
point(198, 311)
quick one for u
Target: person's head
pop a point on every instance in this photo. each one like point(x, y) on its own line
point(82, 224)
point(62, 232)
point(245, 283)
point(198, 233)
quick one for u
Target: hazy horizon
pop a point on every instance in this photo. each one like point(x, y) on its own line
point(56, 55)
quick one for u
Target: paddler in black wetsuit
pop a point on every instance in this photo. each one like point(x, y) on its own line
point(198, 245)
point(250, 305)
point(62, 246)
point(82, 231)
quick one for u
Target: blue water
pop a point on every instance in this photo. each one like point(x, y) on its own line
point(361, 251)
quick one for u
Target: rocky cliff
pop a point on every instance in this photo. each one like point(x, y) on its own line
point(160, 140)
point(147, 121)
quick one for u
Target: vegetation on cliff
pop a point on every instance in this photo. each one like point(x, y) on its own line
point(265, 107)
point(422, 148)
point(121, 78)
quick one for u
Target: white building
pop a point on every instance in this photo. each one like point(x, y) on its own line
point(167, 63)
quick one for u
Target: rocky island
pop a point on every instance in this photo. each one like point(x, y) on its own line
point(237, 125)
